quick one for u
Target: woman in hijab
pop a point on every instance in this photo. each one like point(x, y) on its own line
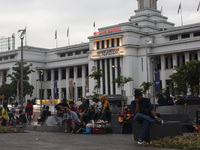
point(106, 109)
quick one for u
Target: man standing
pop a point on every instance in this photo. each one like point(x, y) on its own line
point(143, 113)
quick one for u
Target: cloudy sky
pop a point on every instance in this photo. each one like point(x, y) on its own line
point(43, 17)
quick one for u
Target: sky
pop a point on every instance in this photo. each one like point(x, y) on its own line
point(43, 17)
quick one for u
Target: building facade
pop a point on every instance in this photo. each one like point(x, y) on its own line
point(136, 48)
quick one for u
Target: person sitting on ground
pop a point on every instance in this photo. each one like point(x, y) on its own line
point(12, 113)
point(72, 106)
point(83, 110)
point(29, 110)
point(143, 113)
point(161, 100)
point(71, 120)
point(127, 115)
point(45, 114)
point(61, 109)
point(96, 105)
point(106, 109)
point(22, 117)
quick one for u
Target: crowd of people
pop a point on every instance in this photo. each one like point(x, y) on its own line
point(72, 115)
point(15, 115)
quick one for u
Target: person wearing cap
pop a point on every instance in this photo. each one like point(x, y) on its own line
point(144, 113)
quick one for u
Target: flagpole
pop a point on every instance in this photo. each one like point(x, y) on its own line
point(68, 36)
point(26, 37)
point(181, 17)
point(94, 27)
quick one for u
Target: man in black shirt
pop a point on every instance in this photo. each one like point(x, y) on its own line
point(61, 111)
point(144, 113)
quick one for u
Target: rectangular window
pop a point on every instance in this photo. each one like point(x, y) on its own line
point(63, 93)
point(77, 52)
point(6, 58)
point(62, 55)
point(71, 72)
point(174, 37)
point(166, 63)
point(171, 61)
point(49, 94)
point(48, 75)
point(80, 92)
point(86, 71)
point(63, 74)
point(107, 43)
point(0, 58)
point(12, 57)
point(85, 51)
point(102, 44)
point(113, 43)
point(98, 46)
point(79, 71)
point(70, 54)
point(56, 74)
point(118, 42)
point(184, 36)
point(196, 34)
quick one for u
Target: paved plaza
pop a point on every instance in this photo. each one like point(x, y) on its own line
point(34, 140)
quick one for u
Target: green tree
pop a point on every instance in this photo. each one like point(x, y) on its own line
point(96, 75)
point(121, 80)
point(187, 76)
point(6, 90)
point(145, 87)
point(16, 76)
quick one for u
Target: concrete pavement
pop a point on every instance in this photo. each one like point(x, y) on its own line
point(33, 140)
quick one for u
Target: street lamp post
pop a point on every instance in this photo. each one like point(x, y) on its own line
point(41, 74)
point(147, 67)
point(21, 34)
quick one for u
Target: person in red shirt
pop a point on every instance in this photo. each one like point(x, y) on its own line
point(29, 110)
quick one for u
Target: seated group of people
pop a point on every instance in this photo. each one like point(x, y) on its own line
point(72, 116)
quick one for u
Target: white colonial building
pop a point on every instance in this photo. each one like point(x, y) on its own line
point(132, 49)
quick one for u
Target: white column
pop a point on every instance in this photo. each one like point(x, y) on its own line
point(187, 57)
point(44, 83)
point(83, 80)
point(59, 84)
point(111, 77)
point(198, 55)
point(91, 81)
point(174, 59)
point(116, 76)
point(162, 75)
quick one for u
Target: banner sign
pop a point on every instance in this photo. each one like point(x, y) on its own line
point(157, 81)
point(108, 31)
point(55, 89)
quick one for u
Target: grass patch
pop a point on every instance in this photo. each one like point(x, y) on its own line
point(191, 141)
point(10, 129)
